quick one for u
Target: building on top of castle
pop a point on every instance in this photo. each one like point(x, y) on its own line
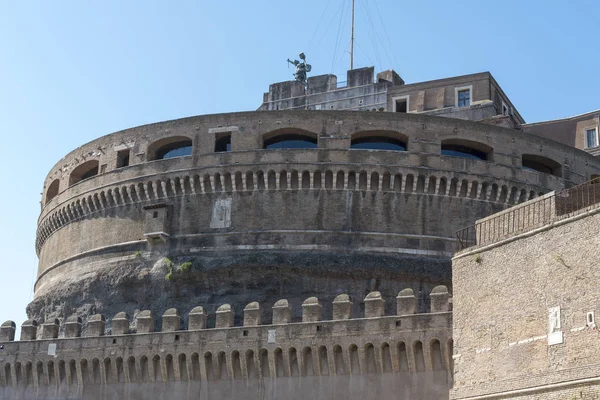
point(475, 97)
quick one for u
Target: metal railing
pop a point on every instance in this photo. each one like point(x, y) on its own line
point(530, 215)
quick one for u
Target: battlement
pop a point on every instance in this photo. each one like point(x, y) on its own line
point(405, 342)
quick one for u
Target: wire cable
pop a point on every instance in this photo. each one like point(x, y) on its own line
point(318, 24)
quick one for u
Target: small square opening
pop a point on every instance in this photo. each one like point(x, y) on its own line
point(223, 143)
point(114, 341)
point(318, 328)
point(123, 158)
point(245, 333)
point(401, 106)
point(398, 323)
point(155, 214)
point(176, 337)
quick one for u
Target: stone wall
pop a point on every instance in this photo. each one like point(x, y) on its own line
point(371, 357)
point(524, 314)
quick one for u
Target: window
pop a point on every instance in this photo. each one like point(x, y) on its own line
point(400, 104)
point(291, 141)
point(541, 164)
point(466, 149)
point(123, 158)
point(52, 190)
point(464, 98)
point(177, 146)
point(591, 136)
point(84, 171)
point(505, 109)
point(223, 143)
point(378, 143)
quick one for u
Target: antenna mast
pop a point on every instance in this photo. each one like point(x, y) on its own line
point(352, 40)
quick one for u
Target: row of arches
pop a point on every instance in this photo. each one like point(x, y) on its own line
point(386, 181)
point(370, 358)
point(181, 146)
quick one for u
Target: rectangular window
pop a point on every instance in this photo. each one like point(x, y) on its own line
point(591, 137)
point(401, 106)
point(504, 109)
point(123, 158)
point(464, 98)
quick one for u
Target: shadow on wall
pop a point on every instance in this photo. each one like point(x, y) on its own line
point(361, 387)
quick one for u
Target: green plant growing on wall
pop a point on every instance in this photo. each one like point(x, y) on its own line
point(169, 274)
point(185, 267)
point(168, 262)
point(478, 259)
point(137, 254)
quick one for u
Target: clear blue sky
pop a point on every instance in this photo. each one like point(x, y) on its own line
point(71, 71)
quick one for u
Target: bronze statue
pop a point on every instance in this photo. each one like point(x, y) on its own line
point(302, 68)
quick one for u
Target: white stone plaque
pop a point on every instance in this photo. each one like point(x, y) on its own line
point(555, 335)
point(221, 213)
point(271, 336)
point(555, 338)
point(52, 349)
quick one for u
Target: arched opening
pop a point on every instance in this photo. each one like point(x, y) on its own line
point(371, 365)
point(177, 146)
point(52, 190)
point(223, 143)
point(84, 171)
point(541, 164)
point(436, 355)
point(419, 356)
point(378, 141)
point(354, 363)
point(338, 360)
point(466, 149)
point(290, 139)
point(293, 357)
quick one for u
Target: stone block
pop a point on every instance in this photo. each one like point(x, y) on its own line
point(7, 331)
point(171, 320)
point(96, 325)
point(50, 329)
point(224, 316)
point(312, 310)
point(73, 327)
point(144, 322)
point(120, 324)
point(440, 299)
point(374, 305)
point(342, 307)
point(282, 312)
point(197, 319)
point(406, 302)
point(252, 314)
point(29, 330)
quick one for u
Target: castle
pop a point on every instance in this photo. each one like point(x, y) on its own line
point(243, 230)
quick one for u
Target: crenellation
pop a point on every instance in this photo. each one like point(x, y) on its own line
point(29, 330)
point(374, 304)
point(50, 329)
point(342, 307)
point(73, 327)
point(406, 302)
point(197, 318)
point(253, 314)
point(144, 322)
point(282, 312)
point(311, 310)
point(7, 331)
point(121, 324)
point(171, 320)
point(224, 316)
point(96, 325)
point(440, 299)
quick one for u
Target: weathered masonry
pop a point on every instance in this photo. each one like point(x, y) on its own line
point(235, 208)
point(405, 353)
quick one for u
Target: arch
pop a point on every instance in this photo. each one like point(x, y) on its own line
point(108, 373)
point(156, 369)
point(222, 361)
point(72, 372)
point(379, 140)
point(120, 372)
point(250, 181)
point(195, 366)
point(293, 358)
point(171, 147)
point(371, 364)
point(131, 372)
point(386, 181)
point(467, 149)
point(398, 182)
point(409, 182)
point(85, 372)
point(278, 359)
point(251, 365)
point(386, 358)
point(283, 180)
point(307, 358)
point(541, 164)
point(339, 180)
point(338, 360)
point(19, 374)
point(317, 180)
point(263, 359)
point(419, 356)
point(443, 186)
point(96, 375)
point(51, 374)
point(223, 143)
point(52, 190)
point(354, 363)
point(7, 375)
point(402, 357)
point(145, 375)
point(329, 180)
point(351, 180)
point(435, 349)
point(305, 180)
point(83, 171)
point(272, 180)
point(260, 181)
point(294, 180)
point(236, 365)
point(208, 366)
point(290, 138)
point(420, 184)
point(362, 180)
point(170, 368)
point(323, 360)
point(182, 364)
point(374, 181)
